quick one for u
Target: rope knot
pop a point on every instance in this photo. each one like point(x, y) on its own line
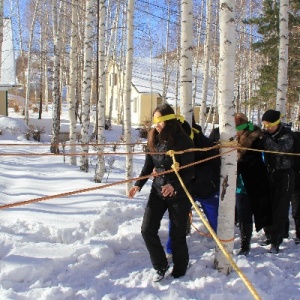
point(171, 153)
point(175, 166)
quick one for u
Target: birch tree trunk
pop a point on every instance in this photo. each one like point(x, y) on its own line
point(206, 64)
point(127, 104)
point(102, 92)
point(1, 33)
point(73, 82)
point(283, 56)
point(227, 131)
point(86, 86)
point(198, 52)
point(43, 54)
point(121, 78)
point(21, 77)
point(166, 64)
point(186, 45)
point(56, 80)
point(29, 63)
point(114, 37)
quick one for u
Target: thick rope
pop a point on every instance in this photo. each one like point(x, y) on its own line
point(248, 284)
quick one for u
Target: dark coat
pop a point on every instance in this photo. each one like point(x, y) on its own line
point(280, 141)
point(207, 173)
point(255, 177)
point(163, 162)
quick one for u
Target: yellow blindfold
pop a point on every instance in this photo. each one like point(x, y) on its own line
point(168, 117)
point(273, 124)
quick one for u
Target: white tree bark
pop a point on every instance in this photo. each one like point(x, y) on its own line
point(56, 80)
point(227, 130)
point(73, 82)
point(283, 56)
point(29, 63)
point(186, 60)
point(127, 105)
point(207, 53)
point(1, 32)
point(198, 51)
point(102, 93)
point(165, 56)
point(86, 85)
point(113, 40)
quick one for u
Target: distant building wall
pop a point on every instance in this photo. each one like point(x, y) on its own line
point(3, 103)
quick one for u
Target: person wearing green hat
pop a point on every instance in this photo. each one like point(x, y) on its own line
point(252, 195)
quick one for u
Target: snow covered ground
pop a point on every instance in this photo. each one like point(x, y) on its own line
point(88, 245)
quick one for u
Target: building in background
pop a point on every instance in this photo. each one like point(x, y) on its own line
point(146, 90)
point(7, 66)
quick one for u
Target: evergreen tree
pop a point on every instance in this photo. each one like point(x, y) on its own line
point(268, 27)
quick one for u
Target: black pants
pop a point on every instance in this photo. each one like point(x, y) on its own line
point(296, 211)
point(179, 208)
point(244, 209)
point(281, 187)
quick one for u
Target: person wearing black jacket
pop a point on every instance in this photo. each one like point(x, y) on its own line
point(280, 174)
point(253, 194)
point(166, 191)
point(296, 206)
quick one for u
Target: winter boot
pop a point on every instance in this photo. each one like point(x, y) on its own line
point(297, 227)
point(267, 241)
point(274, 249)
point(160, 274)
point(246, 234)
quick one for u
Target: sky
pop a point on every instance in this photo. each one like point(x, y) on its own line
point(88, 245)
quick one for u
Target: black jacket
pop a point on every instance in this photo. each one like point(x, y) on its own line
point(163, 162)
point(255, 177)
point(280, 141)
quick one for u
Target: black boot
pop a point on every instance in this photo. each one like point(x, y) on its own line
point(297, 227)
point(267, 241)
point(246, 234)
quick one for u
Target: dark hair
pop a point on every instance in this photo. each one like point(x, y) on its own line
point(169, 131)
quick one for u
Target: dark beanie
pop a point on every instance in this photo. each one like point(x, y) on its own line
point(271, 115)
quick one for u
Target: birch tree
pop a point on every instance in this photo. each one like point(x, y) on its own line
point(101, 101)
point(86, 85)
point(29, 62)
point(283, 56)
point(198, 52)
point(207, 48)
point(165, 57)
point(73, 82)
point(1, 33)
point(227, 132)
point(186, 45)
point(127, 106)
point(56, 79)
point(114, 36)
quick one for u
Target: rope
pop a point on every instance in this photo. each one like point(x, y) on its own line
point(98, 187)
point(248, 284)
point(223, 144)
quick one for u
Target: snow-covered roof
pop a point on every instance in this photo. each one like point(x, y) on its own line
point(147, 77)
point(8, 69)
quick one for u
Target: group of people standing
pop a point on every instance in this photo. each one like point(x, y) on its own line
point(265, 185)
